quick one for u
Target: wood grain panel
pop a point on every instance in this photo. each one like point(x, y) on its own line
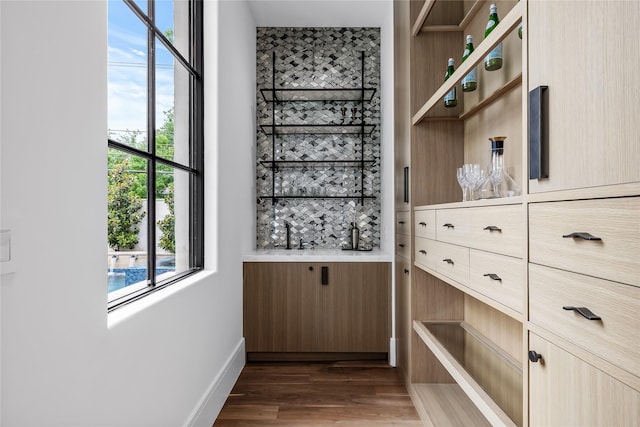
point(453, 226)
point(507, 239)
point(425, 223)
point(403, 316)
point(509, 287)
point(565, 391)
point(354, 308)
point(280, 307)
point(615, 338)
point(448, 405)
point(615, 221)
point(593, 129)
point(437, 149)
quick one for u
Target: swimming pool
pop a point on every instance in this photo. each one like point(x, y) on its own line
point(118, 278)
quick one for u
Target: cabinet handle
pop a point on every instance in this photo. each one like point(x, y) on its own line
point(492, 228)
point(534, 356)
point(424, 224)
point(401, 245)
point(400, 222)
point(325, 276)
point(405, 199)
point(422, 251)
point(538, 133)
point(448, 261)
point(448, 225)
point(493, 276)
point(584, 312)
point(581, 235)
point(406, 271)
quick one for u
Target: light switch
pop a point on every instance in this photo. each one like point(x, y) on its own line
point(5, 245)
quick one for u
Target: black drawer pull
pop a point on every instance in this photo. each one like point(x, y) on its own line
point(422, 251)
point(448, 225)
point(424, 224)
point(581, 235)
point(493, 228)
point(584, 312)
point(324, 273)
point(401, 245)
point(448, 261)
point(534, 356)
point(400, 222)
point(406, 271)
point(493, 276)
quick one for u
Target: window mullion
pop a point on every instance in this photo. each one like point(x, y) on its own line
point(151, 147)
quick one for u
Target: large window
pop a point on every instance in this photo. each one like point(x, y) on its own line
point(155, 160)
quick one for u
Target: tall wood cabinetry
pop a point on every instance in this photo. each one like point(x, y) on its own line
point(521, 310)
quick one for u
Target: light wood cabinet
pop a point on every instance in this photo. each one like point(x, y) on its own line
point(566, 391)
point(539, 244)
point(586, 53)
point(288, 309)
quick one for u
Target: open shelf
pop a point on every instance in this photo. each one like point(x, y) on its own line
point(329, 129)
point(510, 21)
point(421, 24)
point(275, 164)
point(466, 354)
point(353, 197)
point(447, 404)
point(318, 94)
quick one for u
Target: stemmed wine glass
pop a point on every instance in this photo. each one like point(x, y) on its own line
point(463, 182)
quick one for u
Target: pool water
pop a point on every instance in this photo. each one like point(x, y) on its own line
point(118, 278)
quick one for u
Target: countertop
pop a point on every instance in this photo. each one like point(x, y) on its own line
point(316, 255)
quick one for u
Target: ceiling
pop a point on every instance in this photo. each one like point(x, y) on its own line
point(321, 13)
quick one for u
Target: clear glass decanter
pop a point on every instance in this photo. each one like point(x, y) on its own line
point(499, 183)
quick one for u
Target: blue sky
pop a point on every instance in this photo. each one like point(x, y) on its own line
point(127, 72)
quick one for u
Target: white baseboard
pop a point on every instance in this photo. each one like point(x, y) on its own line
point(209, 406)
point(392, 352)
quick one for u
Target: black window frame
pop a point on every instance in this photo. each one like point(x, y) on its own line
point(195, 169)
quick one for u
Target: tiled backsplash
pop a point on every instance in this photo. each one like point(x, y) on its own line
point(318, 58)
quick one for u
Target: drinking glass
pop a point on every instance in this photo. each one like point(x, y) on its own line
point(463, 182)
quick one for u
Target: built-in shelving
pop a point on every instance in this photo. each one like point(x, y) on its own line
point(318, 129)
point(421, 24)
point(510, 21)
point(458, 347)
point(318, 94)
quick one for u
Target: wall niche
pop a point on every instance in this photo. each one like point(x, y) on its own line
point(321, 169)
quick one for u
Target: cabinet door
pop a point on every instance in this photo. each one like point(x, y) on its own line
point(280, 307)
point(354, 308)
point(586, 53)
point(565, 391)
point(403, 313)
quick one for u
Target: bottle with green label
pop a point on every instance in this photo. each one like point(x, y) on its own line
point(470, 81)
point(450, 99)
point(493, 61)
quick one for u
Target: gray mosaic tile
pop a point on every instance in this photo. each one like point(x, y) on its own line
point(317, 58)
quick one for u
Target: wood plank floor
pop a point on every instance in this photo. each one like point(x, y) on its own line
point(351, 394)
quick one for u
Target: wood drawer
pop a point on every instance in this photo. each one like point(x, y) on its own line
point(403, 223)
point(425, 224)
point(498, 229)
point(403, 245)
point(614, 338)
point(615, 221)
point(452, 261)
point(498, 277)
point(452, 226)
point(425, 253)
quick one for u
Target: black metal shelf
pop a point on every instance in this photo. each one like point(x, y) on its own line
point(275, 164)
point(318, 94)
point(318, 197)
point(316, 129)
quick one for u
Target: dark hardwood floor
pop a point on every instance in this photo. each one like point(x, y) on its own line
point(352, 394)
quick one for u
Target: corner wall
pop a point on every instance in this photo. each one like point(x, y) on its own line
point(170, 360)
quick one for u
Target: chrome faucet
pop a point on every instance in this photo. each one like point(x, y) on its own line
point(287, 226)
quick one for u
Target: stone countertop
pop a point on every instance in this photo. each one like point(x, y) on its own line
point(316, 255)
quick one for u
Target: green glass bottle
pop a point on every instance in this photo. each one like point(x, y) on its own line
point(450, 99)
point(520, 31)
point(470, 81)
point(493, 61)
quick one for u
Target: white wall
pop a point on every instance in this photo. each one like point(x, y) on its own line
point(167, 361)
